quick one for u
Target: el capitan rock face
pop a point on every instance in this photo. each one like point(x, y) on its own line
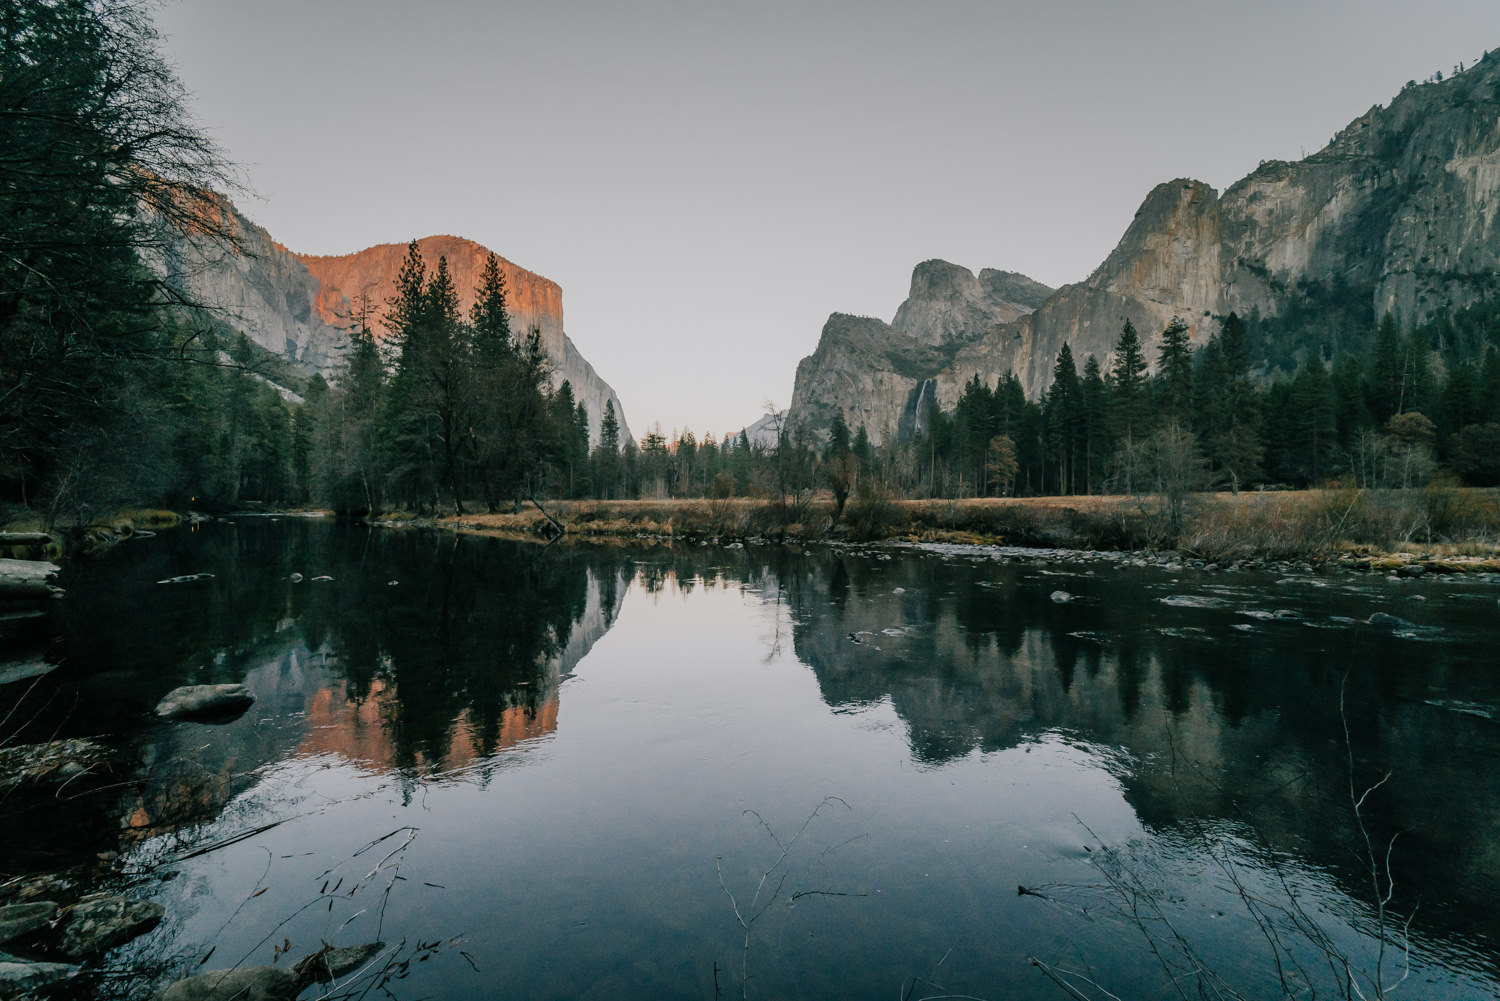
point(302, 306)
point(532, 302)
point(1401, 206)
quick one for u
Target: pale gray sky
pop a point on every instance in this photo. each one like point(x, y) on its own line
point(708, 181)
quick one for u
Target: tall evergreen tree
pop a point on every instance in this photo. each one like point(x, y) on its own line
point(99, 163)
point(1064, 416)
point(448, 386)
point(1174, 375)
point(1094, 407)
point(1130, 402)
point(1387, 370)
point(1314, 424)
point(840, 467)
point(607, 454)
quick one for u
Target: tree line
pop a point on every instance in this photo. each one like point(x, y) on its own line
point(115, 389)
point(1406, 408)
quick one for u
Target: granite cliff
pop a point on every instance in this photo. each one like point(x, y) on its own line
point(884, 375)
point(301, 306)
point(1400, 207)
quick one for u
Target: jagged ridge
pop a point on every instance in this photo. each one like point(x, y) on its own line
point(1400, 205)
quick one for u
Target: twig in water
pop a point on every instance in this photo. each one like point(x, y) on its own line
point(756, 909)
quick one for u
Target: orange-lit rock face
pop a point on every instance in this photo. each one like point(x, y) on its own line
point(532, 300)
point(357, 731)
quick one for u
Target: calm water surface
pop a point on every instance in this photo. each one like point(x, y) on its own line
point(562, 773)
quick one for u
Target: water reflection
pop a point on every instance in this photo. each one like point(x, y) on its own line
point(407, 651)
point(431, 672)
point(1218, 721)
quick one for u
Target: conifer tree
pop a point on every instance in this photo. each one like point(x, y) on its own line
point(1129, 406)
point(1174, 372)
point(447, 385)
point(607, 454)
point(1313, 420)
point(1128, 384)
point(840, 468)
point(406, 429)
point(1063, 409)
point(1094, 407)
point(1386, 372)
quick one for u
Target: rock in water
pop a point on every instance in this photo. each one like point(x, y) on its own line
point(1061, 597)
point(53, 763)
point(257, 983)
point(22, 919)
point(94, 926)
point(1384, 620)
point(205, 700)
point(328, 963)
point(18, 976)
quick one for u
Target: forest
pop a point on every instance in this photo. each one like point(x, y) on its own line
point(116, 389)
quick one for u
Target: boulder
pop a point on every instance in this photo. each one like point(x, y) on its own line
point(328, 964)
point(1384, 620)
point(23, 919)
point(19, 976)
point(255, 983)
point(205, 700)
point(94, 926)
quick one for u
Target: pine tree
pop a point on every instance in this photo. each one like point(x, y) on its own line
point(490, 317)
point(447, 379)
point(1386, 373)
point(406, 428)
point(1094, 408)
point(1128, 385)
point(606, 460)
point(1129, 406)
point(1063, 410)
point(355, 452)
point(840, 467)
point(1226, 418)
point(1314, 424)
point(99, 161)
point(1174, 373)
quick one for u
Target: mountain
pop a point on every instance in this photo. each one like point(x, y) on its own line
point(881, 374)
point(1396, 214)
point(300, 306)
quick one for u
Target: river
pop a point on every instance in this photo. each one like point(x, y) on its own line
point(574, 773)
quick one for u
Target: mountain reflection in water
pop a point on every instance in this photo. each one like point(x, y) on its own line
point(577, 733)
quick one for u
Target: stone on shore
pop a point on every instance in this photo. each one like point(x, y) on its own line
point(20, 976)
point(23, 919)
point(256, 983)
point(205, 700)
point(94, 926)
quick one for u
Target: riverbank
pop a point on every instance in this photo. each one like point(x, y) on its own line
point(1445, 530)
point(1435, 529)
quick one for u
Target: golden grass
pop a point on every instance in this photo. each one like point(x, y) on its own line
point(1455, 529)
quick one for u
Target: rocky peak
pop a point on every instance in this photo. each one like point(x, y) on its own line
point(1014, 288)
point(947, 303)
point(532, 301)
point(1403, 205)
point(302, 306)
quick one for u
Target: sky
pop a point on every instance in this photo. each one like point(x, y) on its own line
point(708, 181)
